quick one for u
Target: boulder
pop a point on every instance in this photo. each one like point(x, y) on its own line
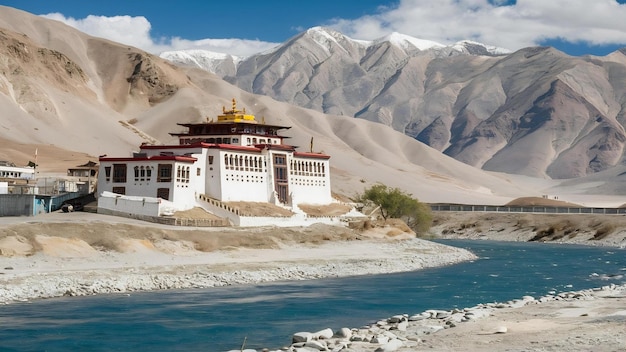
point(318, 345)
point(324, 334)
point(396, 319)
point(382, 339)
point(301, 337)
point(344, 333)
point(402, 325)
point(357, 338)
point(442, 314)
point(418, 317)
point(390, 346)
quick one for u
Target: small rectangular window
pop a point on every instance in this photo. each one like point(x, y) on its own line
point(107, 173)
point(164, 173)
point(119, 173)
point(163, 193)
point(119, 190)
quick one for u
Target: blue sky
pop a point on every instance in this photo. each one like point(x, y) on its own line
point(244, 27)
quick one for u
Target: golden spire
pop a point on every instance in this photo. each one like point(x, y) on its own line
point(235, 115)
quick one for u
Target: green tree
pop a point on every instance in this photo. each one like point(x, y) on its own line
point(395, 203)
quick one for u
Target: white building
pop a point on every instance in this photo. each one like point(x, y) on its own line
point(235, 158)
point(15, 179)
point(10, 172)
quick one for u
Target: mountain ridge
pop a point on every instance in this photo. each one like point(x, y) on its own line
point(468, 100)
point(125, 97)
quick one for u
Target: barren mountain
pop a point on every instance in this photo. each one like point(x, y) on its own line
point(535, 112)
point(75, 97)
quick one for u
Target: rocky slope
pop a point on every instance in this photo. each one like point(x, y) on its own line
point(536, 112)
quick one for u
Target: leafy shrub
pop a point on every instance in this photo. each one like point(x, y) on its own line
point(394, 203)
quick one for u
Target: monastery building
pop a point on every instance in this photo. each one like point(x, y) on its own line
point(233, 159)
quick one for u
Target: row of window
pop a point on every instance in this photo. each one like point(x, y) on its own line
point(12, 174)
point(218, 140)
point(144, 173)
point(228, 140)
point(308, 168)
point(182, 174)
point(244, 163)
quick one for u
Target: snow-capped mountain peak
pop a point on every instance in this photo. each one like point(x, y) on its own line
point(205, 59)
point(406, 41)
point(476, 48)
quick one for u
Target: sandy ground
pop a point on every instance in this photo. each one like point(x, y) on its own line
point(594, 324)
point(82, 254)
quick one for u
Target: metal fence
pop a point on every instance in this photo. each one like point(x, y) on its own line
point(526, 209)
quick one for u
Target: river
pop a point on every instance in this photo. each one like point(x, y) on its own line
point(220, 319)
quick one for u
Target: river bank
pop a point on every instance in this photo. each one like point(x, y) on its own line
point(76, 254)
point(585, 320)
point(584, 229)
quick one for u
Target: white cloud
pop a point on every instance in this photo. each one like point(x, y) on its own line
point(504, 23)
point(135, 31)
point(524, 23)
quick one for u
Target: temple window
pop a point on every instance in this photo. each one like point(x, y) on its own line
point(119, 173)
point(164, 173)
point(136, 173)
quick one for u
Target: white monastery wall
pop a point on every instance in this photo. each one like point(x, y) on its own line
point(309, 181)
point(243, 177)
point(128, 204)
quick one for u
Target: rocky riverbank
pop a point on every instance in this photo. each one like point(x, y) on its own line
point(586, 320)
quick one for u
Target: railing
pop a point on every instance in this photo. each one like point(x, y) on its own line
point(219, 204)
point(526, 209)
point(169, 220)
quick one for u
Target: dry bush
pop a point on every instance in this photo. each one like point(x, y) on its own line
point(542, 233)
point(603, 231)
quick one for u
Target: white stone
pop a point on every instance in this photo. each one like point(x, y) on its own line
point(301, 337)
point(318, 345)
point(395, 319)
point(418, 317)
point(324, 334)
point(402, 325)
point(382, 339)
point(390, 346)
point(344, 333)
point(357, 338)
